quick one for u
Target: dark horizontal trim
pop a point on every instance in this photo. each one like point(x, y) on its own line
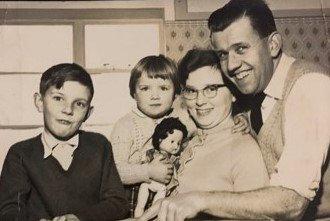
point(20, 127)
point(106, 70)
point(17, 73)
point(277, 14)
point(301, 13)
point(182, 14)
point(85, 126)
point(80, 14)
point(89, 70)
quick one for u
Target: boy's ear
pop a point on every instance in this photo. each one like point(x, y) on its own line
point(89, 112)
point(275, 44)
point(38, 102)
point(134, 95)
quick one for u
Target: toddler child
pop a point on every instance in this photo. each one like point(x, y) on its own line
point(154, 86)
point(63, 173)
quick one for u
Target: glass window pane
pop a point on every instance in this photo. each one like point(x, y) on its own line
point(16, 95)
point(111, 99)
point(34, 48)
point(119, 46)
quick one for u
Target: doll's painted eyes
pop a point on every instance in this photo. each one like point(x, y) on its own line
point(178, 143)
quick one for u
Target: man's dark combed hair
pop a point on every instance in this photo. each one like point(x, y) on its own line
point(58, 74)
point(260, 15)
point(165, 127)
point(195, 59)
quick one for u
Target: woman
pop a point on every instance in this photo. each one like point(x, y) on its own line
point(216, 158)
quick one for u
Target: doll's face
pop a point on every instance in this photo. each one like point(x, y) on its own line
point(171, 144)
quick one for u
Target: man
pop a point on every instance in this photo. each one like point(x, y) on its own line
point(294, 138)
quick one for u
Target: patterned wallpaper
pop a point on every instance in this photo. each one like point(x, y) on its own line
point(307, 38)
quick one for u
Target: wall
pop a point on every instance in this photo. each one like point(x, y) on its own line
point(304, 37)
point(304, 25)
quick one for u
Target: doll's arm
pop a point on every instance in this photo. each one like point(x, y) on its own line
point(161, 192)
point(158, 188)
point(142, 199)
point(150, 155)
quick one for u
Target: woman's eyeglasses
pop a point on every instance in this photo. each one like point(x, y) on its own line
point(209, 91)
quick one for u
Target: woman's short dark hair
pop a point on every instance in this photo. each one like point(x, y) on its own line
point(195, 59)
point(155, 67)
point(166, 127)
point(198, 58)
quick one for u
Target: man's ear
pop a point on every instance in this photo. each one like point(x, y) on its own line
point(38, 102)
point(275, 44)
point(89, 112)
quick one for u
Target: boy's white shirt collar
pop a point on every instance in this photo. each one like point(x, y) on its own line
point(275, 86)
point(49, 142)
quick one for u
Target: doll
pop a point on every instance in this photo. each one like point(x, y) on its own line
point(166, 140)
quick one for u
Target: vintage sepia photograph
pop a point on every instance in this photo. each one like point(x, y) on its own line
point(165, 110)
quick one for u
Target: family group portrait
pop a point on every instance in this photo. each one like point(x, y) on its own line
point(165, 110)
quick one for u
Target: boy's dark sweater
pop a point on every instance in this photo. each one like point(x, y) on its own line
point(32, 187)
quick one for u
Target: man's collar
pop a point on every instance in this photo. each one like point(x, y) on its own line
point(49, 142)
point(275, 87)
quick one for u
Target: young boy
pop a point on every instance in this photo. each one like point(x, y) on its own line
point(63, 173)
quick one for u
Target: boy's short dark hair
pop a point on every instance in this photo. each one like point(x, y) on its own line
point(195, 59)
point(165, 127)
point(60, 73)
point(257, 11)
point(155, 67)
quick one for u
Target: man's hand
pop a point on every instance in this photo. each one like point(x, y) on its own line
point(160, 169)
point(176, 208)
point(66, 217)
point(241, 124)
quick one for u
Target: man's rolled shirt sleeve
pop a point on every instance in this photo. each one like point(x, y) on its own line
point(306, 135)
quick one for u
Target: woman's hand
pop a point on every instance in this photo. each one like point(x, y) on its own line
point(160, 169)
point(241, 124)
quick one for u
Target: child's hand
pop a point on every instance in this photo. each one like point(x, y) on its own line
point(160, 169)
point(241, 124)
